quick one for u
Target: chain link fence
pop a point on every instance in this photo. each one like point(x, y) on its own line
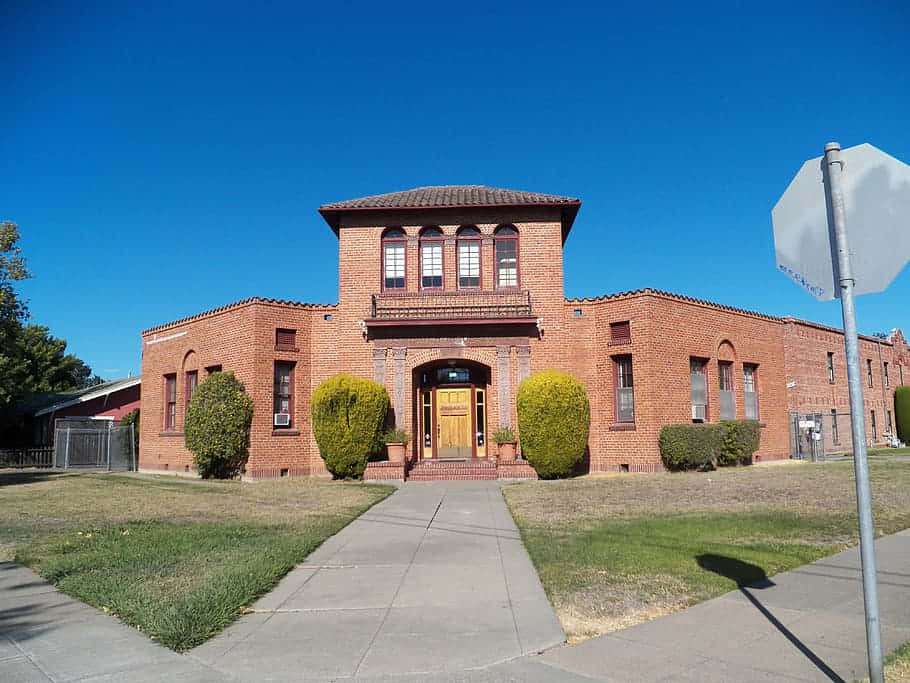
point(82, 445)
point(818, 436)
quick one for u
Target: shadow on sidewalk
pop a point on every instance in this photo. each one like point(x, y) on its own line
point(749, 577)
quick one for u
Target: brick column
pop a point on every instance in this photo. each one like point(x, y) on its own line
point(524, 362)
point(398, 369)
point(503, 360)
point(379, 365)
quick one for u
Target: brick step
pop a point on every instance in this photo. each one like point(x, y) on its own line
point(454, 470)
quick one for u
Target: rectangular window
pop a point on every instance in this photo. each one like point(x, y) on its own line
point(284, 394)
point(212, 369)
point(869, 370)
point(393, 267)
point(900, 374)
point(874, 431)
point(698, 378)
point(885, 374)
point(481, 418)
point(750, 390)
point(727, 400)
point(888, 425)
point(285, 340)
point(835, 436)
point(620, 333)
point(469, 264)
point(830, 367)
point(625, 393)
point(506, 263)
point(170, 402)
point(427, 420)
point(192, 381)
point(431, 265)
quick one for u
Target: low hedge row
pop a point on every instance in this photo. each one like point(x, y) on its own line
point(706, 446)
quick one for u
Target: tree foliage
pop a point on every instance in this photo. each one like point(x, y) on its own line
point(553, 422)
point(217, 427)
point(348, 416)
point(902, 412)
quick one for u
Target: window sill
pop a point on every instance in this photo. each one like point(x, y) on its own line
point(287, 348)
point(619, 342)
point(170, 433)
point(623, 427)
point(285, 432)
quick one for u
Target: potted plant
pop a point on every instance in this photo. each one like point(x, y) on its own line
point(396, 443)
point(506, 440)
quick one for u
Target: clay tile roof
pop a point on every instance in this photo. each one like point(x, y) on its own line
point(451, 196)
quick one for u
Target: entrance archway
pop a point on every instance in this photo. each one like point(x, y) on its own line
point(451, 396)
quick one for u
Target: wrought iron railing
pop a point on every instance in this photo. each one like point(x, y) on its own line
point(459, 305)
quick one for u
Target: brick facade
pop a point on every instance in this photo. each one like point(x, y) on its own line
point(667, 330)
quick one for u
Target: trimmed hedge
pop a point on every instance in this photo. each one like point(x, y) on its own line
point(706, 446)
point(553, 421)
point(217, 428)
point(902, 412)
point(348, 417)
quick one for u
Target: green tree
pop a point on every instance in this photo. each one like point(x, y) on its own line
point(217, 428)
point(46, 367)
point(13, 312)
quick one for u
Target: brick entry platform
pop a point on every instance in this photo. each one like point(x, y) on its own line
point(478, 469)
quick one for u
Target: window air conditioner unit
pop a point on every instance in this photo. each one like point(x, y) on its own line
point(698, 413)
point(282, 419)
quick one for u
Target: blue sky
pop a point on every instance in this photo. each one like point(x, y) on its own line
point(166, 158)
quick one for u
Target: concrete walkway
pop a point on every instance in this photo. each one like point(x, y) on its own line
point(433, 579)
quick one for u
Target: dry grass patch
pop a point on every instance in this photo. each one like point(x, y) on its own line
point(616, 551)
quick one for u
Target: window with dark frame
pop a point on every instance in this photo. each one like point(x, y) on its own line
point(285, 339)
point(698, 378)
point(750, 390)
point(394, 242)
point(727, 400)
point(869, 370)
point(874, 431)
point(625, 392)
point(170, 402)
point(505, 243)
point(620, 333)
point(900, 374)
point(468, 248)
point(212, 369)
point(888, 415)
point(830, 367)
point(885, 374)
point(835, 436)
point(284, 392)
point(192, 383)
point(431, 243)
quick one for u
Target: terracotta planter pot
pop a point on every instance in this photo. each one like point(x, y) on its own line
point(397, 452)
point(507, 451)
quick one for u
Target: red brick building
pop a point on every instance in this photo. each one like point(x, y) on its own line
point(450, 297)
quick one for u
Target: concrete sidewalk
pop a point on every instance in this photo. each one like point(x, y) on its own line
point(434, 579)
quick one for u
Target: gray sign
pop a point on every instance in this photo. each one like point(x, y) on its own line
point(876, 190)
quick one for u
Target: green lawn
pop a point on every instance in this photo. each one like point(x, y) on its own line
point(179, 560)
point(897, 665)
point(615, 551)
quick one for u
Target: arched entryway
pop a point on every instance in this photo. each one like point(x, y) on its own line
point(451, 397)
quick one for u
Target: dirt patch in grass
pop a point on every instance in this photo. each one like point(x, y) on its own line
point(615, 551)
point(177, 559)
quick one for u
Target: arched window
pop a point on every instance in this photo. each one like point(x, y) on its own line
point(393, 258)
point(505, 241)
point(431, 241)
point(468, 258)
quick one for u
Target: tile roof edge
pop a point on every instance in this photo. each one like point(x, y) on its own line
point(649, 291)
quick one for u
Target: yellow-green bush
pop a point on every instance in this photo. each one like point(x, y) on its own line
point(902, 413)
point(348, 418)
point(217, 428)
point(553, 422)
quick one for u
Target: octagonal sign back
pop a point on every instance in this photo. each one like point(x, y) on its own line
point(876, 189)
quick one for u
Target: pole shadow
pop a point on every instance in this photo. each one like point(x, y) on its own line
point(749, 577)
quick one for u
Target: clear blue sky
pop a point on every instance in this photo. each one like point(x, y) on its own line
point(166, 158)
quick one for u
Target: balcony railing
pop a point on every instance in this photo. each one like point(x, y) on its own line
point(459, 305)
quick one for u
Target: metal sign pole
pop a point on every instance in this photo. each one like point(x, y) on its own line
point(833, 165)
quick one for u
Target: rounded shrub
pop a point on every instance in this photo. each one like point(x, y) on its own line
point(690, 446)
point(348, 417)
point(740, 441)
point(553, 421)
point(217, 428)
point(902, 412)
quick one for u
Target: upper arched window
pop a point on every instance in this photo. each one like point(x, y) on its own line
point(394, 241)
point(468, 258)
point(505, 241)
point(431, 241)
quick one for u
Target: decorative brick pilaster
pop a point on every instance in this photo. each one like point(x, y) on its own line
point(503, 369)
point(398, 390)
point(379, 365)
point(524, 362)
